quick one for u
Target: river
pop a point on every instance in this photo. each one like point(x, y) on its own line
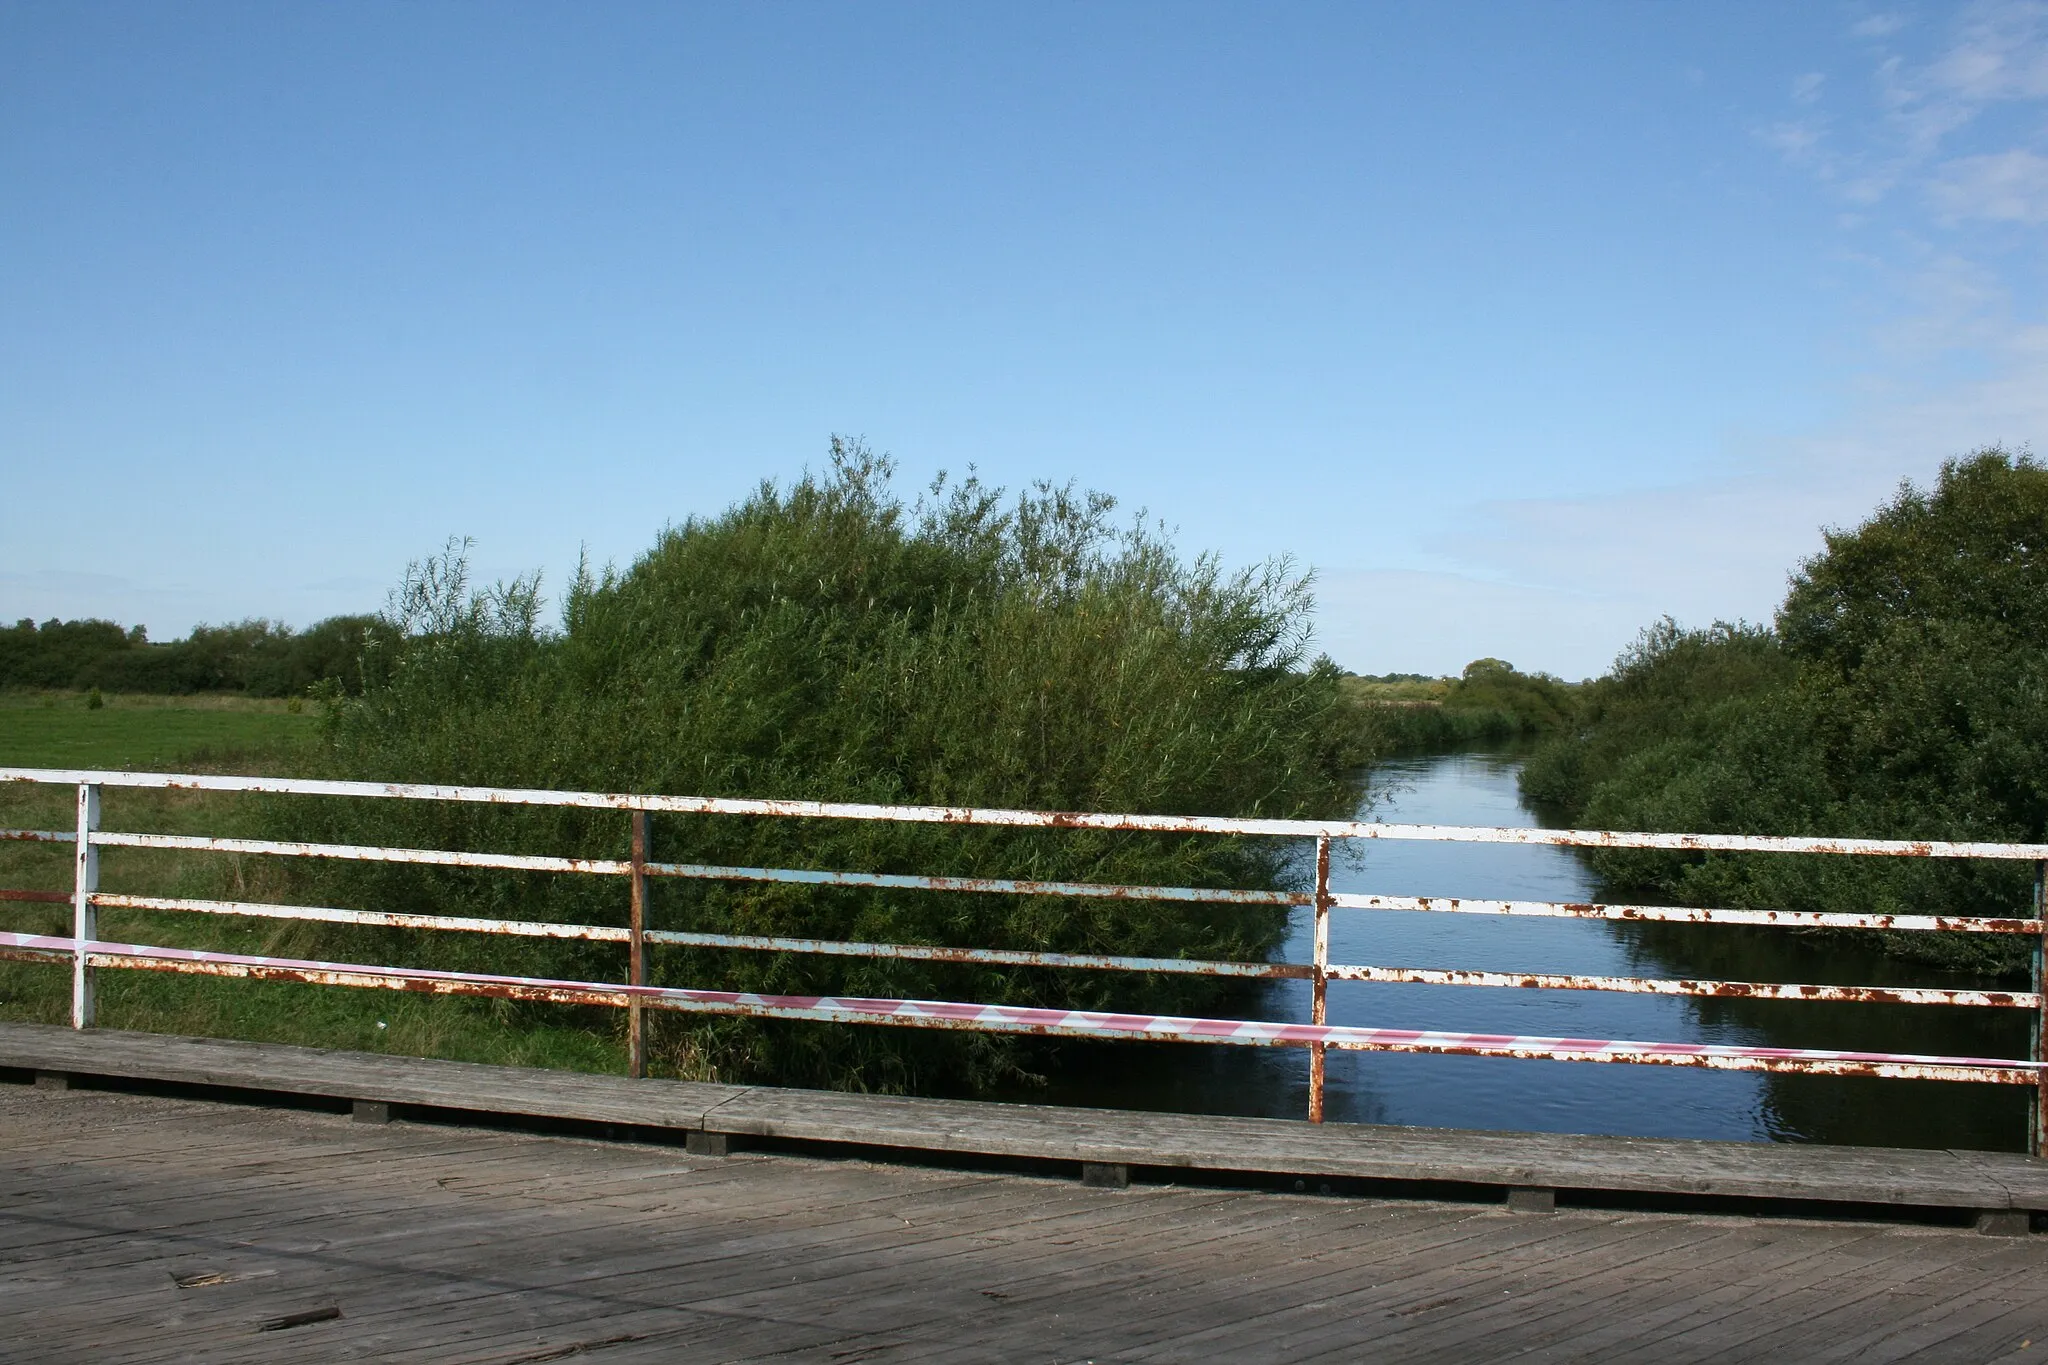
point(1567, 1097)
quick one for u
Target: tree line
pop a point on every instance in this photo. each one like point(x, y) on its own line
point(257, 658)
point(1490, 702)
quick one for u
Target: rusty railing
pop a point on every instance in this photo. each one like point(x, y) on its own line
point(85, 952)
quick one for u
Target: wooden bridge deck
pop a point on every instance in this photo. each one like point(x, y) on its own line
point(135, 1227)
point(1160, 1146)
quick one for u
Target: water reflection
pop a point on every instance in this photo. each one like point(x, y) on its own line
point(1579, 1097)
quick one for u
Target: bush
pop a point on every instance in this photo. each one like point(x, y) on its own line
point(826, 641)
point(1904, 694)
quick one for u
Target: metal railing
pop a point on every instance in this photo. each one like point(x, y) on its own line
point(85, 951)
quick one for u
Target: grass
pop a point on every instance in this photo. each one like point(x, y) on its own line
point(58, 730)
point(239, 735)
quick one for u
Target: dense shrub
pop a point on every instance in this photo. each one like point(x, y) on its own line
point(1904, 694)
point(827, 641)
point(1672, 686)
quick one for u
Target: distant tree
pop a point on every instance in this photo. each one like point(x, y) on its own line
point(57, 653)
point(260, 658)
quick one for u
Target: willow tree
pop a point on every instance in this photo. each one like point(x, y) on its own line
point(828, 640)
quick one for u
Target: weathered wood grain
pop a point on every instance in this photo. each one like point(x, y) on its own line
point(135, 1228)
point(1160, 1143)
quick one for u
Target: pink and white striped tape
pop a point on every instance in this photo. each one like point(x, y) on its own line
point(1019, 1019)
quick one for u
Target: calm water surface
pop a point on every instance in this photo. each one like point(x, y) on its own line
point(1574, 1097)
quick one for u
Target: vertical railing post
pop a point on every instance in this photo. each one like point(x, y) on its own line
point(85, 880)
point(1319, 980)
point(636, 1018)
point(2038, 1045)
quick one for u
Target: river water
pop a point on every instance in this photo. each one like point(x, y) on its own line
point(1568, 1097)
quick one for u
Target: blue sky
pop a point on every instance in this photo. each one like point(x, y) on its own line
point(1519, 324)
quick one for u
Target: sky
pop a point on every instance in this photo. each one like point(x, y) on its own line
point(1518, 325)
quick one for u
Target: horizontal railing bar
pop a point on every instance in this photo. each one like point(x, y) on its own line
point(1013, 957)
point(38, 897)
point(1071, 1023)
point(1727, 990)
point(1674, 914)
point(520, 862)
point(428, 857)
point(610, 867)
point(978, 815)
point(1896, 995)
point(40, 836)
point(1001, 885)
point(376, 919)
point(2013, 1073)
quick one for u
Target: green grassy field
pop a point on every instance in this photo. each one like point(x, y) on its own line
point(57, 730)
point(221, 735)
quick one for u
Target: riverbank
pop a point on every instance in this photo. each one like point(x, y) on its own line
point(1479, 788)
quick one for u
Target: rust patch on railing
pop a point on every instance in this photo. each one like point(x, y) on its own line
point(1747, 990)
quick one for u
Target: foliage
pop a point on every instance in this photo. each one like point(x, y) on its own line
point(1671, 686)
point(59, 653)
point(1490, 702)
point(259, 658)
point(827, 641)
point(1904, 694)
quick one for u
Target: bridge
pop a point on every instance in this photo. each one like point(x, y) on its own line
point(175, 1198)
point(252, 1209)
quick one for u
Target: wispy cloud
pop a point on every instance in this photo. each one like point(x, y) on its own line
point(1566, 581)
point(2000, 53)
point(1933, 158)
point(1799, 141)
point(1877, 26)
point(2003, 187)
point(1995, 52)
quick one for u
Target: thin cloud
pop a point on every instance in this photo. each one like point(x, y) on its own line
point(2000, 53)
point(1999, 187)
point(1799, 142)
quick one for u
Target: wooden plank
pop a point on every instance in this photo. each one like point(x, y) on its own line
point(1785, 1259)
point(595, 1150)
point(1266, 1147)
point(1271, 1146)
point(1435, 1299)
point(554, 1249)
point(1259, 1146)
point(528, 1092)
